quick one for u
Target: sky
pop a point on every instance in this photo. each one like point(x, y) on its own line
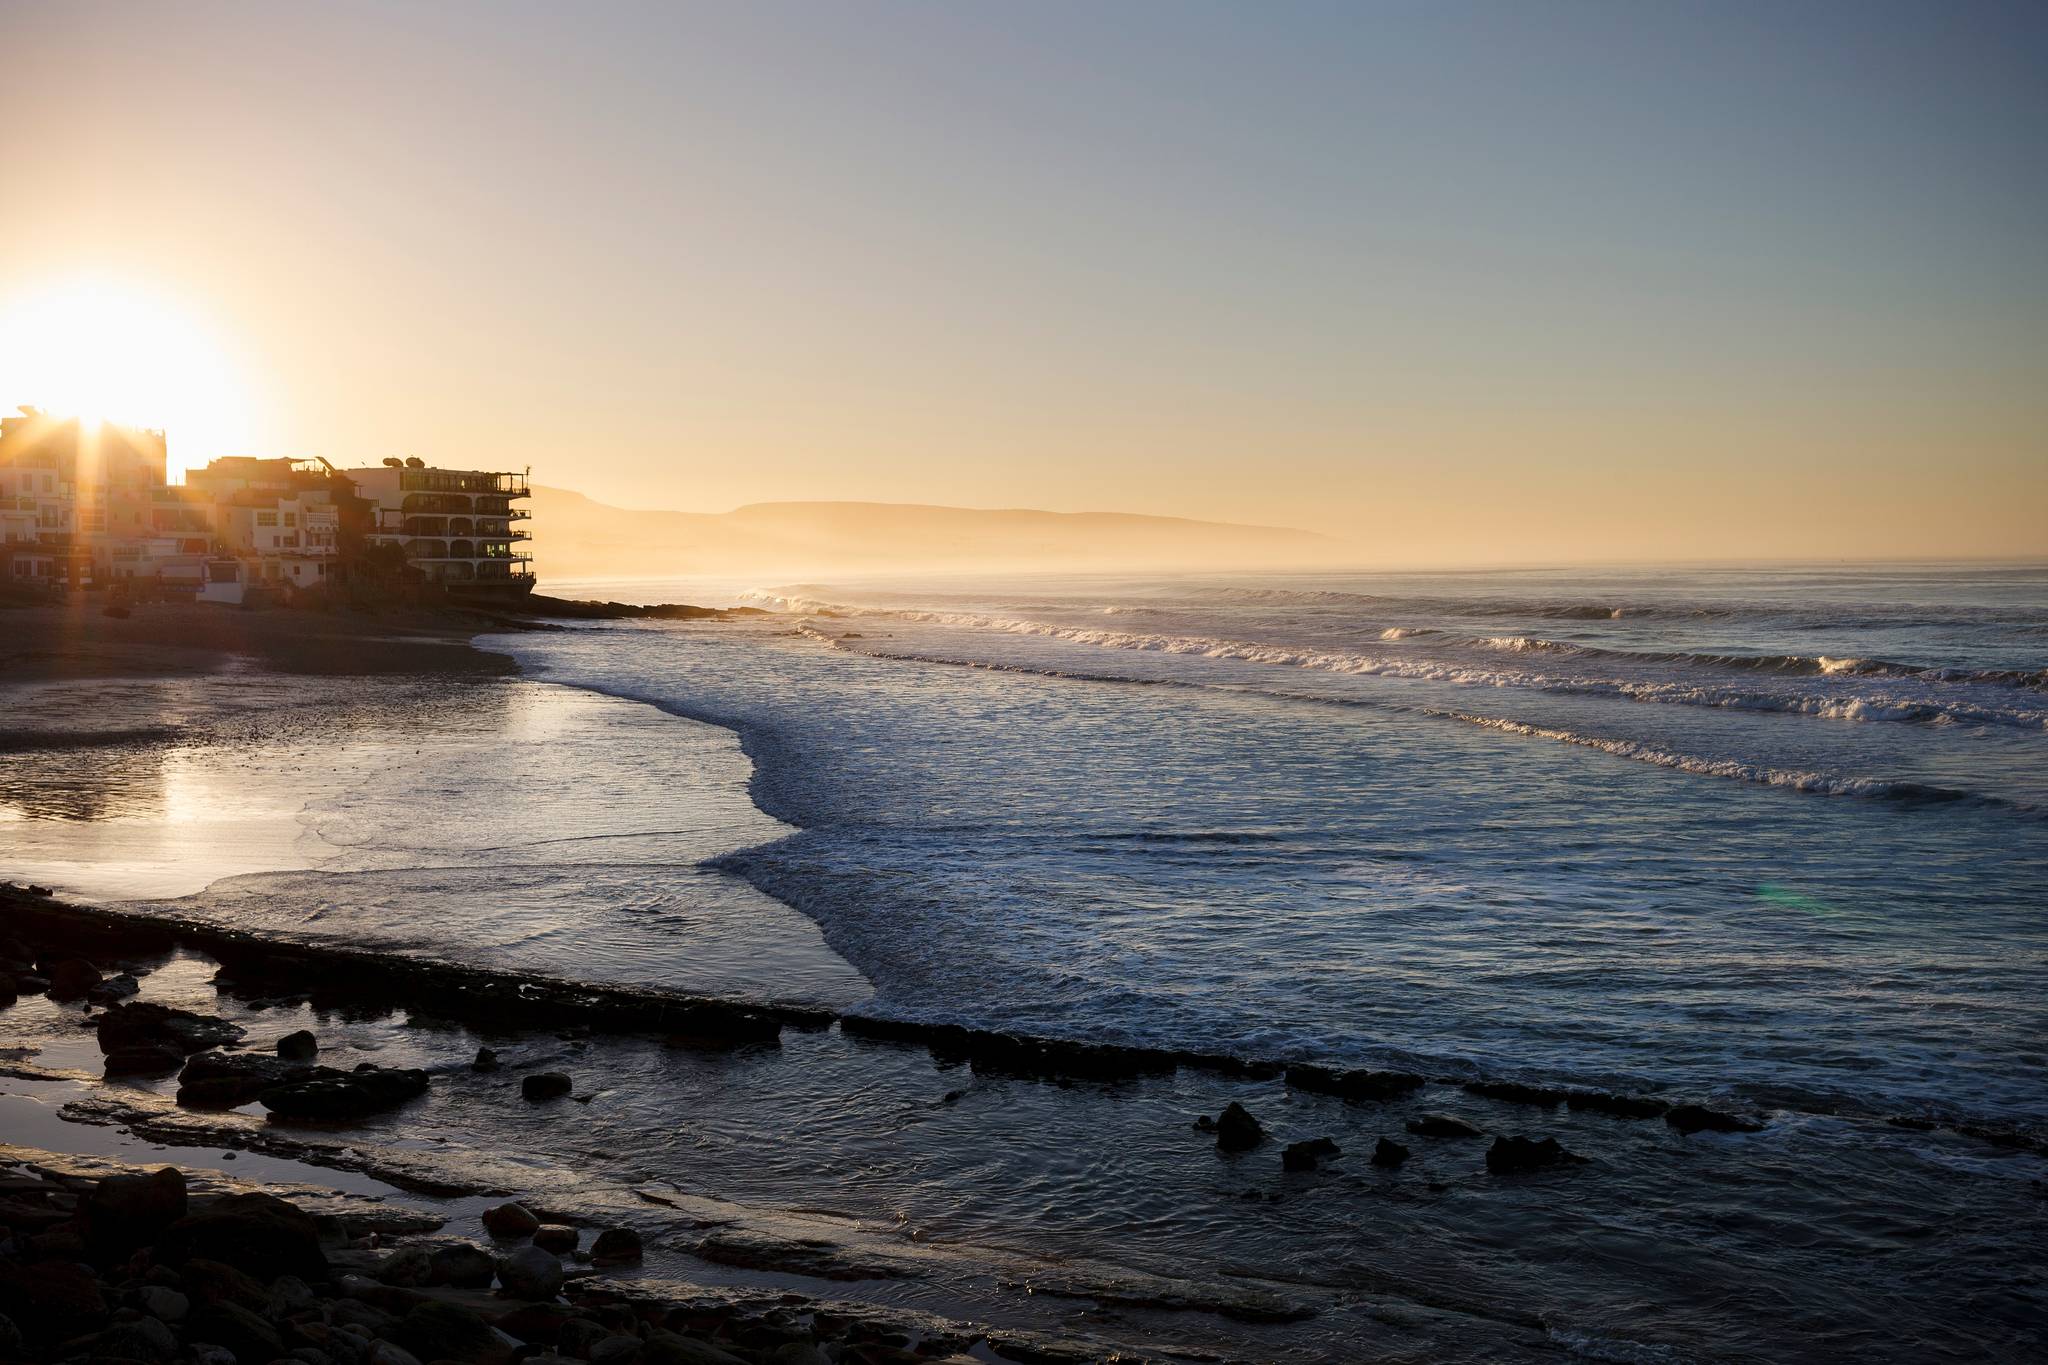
point(1458, 282)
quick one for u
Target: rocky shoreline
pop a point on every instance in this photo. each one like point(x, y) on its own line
point(102, 1262)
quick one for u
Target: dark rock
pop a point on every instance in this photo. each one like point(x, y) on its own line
point(257, 1233)
point(229, 1080)
point(31, 983)
point(510, 1220)
point(72, 978)
point(1205, 1124)
point(136, 1023)
point(669, 1348)
point(545, 1085)
point(446, 1331)
point(407, 1267)
point(52, 1301)
point(1237, 1130)
point(243, 1331)
point(614, 1246)
point(9, 992)
point(206, 1281)
point(464, 1266)
point(1697, 1118)
point(1510, 1155)
point(486, 1060)
point(298, 1047)
point(556, 1237)
point(143, 1339)
point(1388, 1153)
point(1443, 1126)
point(530, 1273)
point(1359, 1086)
point(340, 1095)
point(118, 987)
point(124, 1212)
point(618, 1349)
point(150, 1059)
point(1621, 1106)
point(577, 1337)
point(541, 1323)
point(1514, 1092)
point(163, 1303)
point(1306, 1156)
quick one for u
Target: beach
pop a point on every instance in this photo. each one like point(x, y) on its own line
point(621, 884)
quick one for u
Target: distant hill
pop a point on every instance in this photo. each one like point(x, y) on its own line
point(575, 537)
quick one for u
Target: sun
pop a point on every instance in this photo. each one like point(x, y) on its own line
point(110, 351)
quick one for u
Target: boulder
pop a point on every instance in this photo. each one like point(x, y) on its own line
point(1514, 1092)
point(52, 1301)
point(1620, 1106)
point(342, 1095)
point(9, 992)
point(389, 1353)
point(298, 1047)
point(124, 1212)
point(146, 1059)
point(229, 1080)
point(72, 978)
point(486, 1060)
point(409, 1267)
point(539, 1323)
point(578, 1335)
point(1511, 1155)
point(510, 1220)
point(530, 1273)
point(143, 1339)
point(245, 1332)
point(137, 1022)
point(1237, 1130)
point(206, 1281)
point(1357, 1086)
point(545, 1085)
point(1307, 1156)
point(615, 1246)
point(668, 1348)
point(257, 1233)
point(445, 1331)
point(163, 1303)
point(1442, 1126)
point(1388, 1153)
point(464, 1266)
point(556, 1237)
point(614, 1350)
point(1697, 1118)
point(117, 987)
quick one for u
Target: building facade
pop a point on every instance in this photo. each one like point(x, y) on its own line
point(96, 484)
point(458, 527)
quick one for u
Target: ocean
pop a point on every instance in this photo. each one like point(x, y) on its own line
point(1772, 840)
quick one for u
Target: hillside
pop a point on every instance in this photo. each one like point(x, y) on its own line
point(576, 537)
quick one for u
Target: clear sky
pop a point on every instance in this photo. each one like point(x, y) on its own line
point(1462, 281)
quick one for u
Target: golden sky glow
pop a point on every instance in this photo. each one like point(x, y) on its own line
point(1461, 283)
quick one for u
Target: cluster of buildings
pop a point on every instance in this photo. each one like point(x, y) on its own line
point(88, 504)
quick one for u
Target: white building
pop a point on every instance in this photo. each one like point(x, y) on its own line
point(457, 526)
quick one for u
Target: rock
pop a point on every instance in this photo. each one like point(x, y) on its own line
point(288, 1295)
point(801, 1353)
point(1354, 1085)
point(143, 1339)
point(667, 1348)
point(124, 1212)
point(257, 1233)
point(1443, 1126)
point(614, 1350)
point(298, 1047)
point(52, 1301)
point(1205, 1124)
point(162, 1303)
point(206, 1353)
point(229, 1080)
point(9, 992)
point(615, 1246)
point(556, 1237)
point(1514, 1092)
point(1697, 1118)
point(445, 1331)
point(578, 1335)
point(147, 1059)
point(72, 978)
point(1306, 1156)
point(510, 1220)
point(10, 1339)
point(31, 983)
point(540, 1323)
point(545, 1085)
point(341, 1095)
point(464, 1266)
point(138, 1022)
point(1388, 1153)
point(530, 1273)
point(486, 1060)
point(1621, 1106)
point(1237, 1130)
point(386, 1353)
point(236, 1328)
point(208, 1281)
point(1510, 1155)
point(409, 1267)
point(118, 987)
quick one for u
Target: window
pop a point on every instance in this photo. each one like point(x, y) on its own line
point(266, 518)
point(291, 518)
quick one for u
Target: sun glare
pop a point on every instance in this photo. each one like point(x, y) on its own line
point(105, 351)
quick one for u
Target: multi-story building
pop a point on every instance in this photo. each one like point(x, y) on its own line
point(114, 475)
point(272, 522)
point(36, 526)
point(457, 526)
